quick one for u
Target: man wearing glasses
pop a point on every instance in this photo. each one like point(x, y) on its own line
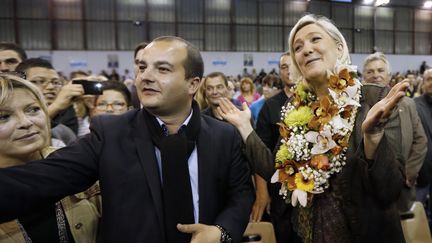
point(59, 96)
point(10, 56)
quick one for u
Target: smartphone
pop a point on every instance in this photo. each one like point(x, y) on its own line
point(90, 87)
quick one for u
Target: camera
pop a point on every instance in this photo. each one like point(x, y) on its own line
point(90, 87)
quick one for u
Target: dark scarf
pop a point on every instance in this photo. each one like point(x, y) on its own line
point(176, 190)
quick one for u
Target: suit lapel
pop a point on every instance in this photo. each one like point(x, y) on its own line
point(205, 160)
point(147, 158)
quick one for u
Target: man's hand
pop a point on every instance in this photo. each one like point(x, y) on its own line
point(201, 232)
point(65, 98)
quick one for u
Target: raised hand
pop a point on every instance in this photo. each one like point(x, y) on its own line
point(379, 113)
point(240, 119)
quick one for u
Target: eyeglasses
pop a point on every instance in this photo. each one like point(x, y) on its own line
point(15, 73)
point(116, 106)
point(43, 83)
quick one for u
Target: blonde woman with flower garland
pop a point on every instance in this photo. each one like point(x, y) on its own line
point(341, 191)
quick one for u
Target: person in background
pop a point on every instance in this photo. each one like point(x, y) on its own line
point(231, 89)
point(114, 75)
point(247, 91)
point(271, 85)
point(413, 88)
point(215, 85)
point(404, 130)
point(84, 106)
point(24, 136)
point(10, 56)
point(138, 51)
point(267, 129)
point(424, 108)
point(78, 75)
point(135, 153)
point(115, 99)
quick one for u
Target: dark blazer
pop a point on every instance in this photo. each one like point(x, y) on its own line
point(119, 153)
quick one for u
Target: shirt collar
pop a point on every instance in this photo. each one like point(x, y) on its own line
point(185, 123)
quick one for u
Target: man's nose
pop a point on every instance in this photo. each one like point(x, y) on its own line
point(4, 67)
point(146, 75)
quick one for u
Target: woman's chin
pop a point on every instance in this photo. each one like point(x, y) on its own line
point(316, 77)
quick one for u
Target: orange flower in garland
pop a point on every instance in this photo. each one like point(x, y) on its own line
point(320, 162)
point(342, 81)
point(324, 111)
point(346, 113)
point(284, 131)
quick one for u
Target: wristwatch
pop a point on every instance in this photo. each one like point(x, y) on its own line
point(225, 236)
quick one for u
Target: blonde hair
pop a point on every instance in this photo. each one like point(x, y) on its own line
point(328, 26)
point(9, 82)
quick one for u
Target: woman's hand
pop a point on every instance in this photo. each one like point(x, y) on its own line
point(377, 115)
point(240, 119)
point(262, 200)
point(373, 125)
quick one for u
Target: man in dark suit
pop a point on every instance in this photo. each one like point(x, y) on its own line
point(132, 155)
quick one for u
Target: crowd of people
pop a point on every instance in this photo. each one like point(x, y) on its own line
point(325, 152)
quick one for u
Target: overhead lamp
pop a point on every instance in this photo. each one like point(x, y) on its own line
point(368, 2)
point(381, 2)
point(427, 4)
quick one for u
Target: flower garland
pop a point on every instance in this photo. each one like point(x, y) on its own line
point(315, 135)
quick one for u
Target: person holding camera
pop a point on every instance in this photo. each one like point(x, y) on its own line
point(59, 96)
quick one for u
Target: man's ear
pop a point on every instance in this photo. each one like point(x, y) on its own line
point(193, 85)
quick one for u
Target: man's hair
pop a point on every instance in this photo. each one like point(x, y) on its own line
point(119, 87)
point(78, 73)
point(377, 56)
point(216, 74)
point(33, 62)
point(13, 47)
point(427, 71)
point(287, 53)
point(139, 47)
point(193, 64)
point(272, 81)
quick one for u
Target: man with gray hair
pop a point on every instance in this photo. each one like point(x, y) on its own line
point(403, 130)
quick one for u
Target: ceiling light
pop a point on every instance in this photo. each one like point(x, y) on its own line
point(368, 2)
point(381, 2)
point(427, 4)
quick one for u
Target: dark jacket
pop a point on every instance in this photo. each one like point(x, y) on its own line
point(120, 153)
